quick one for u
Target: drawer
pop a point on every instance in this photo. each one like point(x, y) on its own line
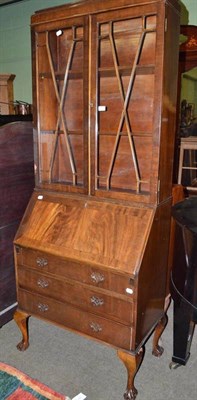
point(79, 271)
point(83, 296)
point(97, 327)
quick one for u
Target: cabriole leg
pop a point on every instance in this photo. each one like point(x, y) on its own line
point(157, 349)
point(132, 364)
point(21, 320)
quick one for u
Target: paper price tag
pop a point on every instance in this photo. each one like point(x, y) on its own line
point(80, 396)
point(102, 108)
point(129, 291)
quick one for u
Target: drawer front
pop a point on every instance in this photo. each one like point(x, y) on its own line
point(108, 331)
point(80, 295)
point(84, 273)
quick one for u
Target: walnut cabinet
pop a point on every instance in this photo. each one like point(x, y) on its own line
point(91, 251)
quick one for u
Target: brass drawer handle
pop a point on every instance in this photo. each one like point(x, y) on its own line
point(95, 327)
point(96, 301)
point(97, 277)
point(43, 307)
point(43, 283)
point(41, 262)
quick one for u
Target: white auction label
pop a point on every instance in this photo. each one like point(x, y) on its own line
point(80, 396)
point(102, 108)
point(129, 290)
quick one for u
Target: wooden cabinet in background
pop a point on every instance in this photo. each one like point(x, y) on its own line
point(92, 249)
point(6, 94)
point(16, 187)
point(186, 108)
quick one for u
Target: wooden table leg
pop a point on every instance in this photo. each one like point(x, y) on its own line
point(21, 320)
point(132, 363)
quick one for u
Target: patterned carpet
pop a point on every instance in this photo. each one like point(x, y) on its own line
point(15, 385)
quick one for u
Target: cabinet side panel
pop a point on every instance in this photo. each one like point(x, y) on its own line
point(152, 274)
point(168, 122)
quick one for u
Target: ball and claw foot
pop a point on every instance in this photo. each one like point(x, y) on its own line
point(158, 351)
point(22, 346)
point(131, 394)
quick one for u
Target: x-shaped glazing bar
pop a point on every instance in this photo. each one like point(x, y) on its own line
point(125, 100)
point(60, 110)
point(121, 89)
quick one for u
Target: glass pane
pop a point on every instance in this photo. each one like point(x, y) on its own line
point(189, 171)
point(126, 90)
point(60, 60)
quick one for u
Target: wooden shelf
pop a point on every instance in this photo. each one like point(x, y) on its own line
point(126, 70)
point(60, 75)
point(134, 134)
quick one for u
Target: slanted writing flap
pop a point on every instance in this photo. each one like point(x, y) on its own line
point(97, 232)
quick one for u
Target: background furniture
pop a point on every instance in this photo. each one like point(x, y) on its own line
point(92, 249)
point(184, 278)
point(186, 124)
point(187, 162)
point(6, 94)
point(16, 186)
point(5, 119)
point(178, 194)
point(188, 50)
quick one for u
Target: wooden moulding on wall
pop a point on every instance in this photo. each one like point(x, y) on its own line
point(6, 94)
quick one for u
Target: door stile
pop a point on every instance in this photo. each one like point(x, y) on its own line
point(93, 104)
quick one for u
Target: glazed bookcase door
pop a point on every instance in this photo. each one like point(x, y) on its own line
point(125, 86)
point(61, 70)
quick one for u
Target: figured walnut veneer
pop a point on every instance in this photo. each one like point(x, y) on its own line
point(86, 231)
point(92, 250)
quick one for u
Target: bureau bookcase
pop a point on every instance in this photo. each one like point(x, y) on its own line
point(91, 251)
